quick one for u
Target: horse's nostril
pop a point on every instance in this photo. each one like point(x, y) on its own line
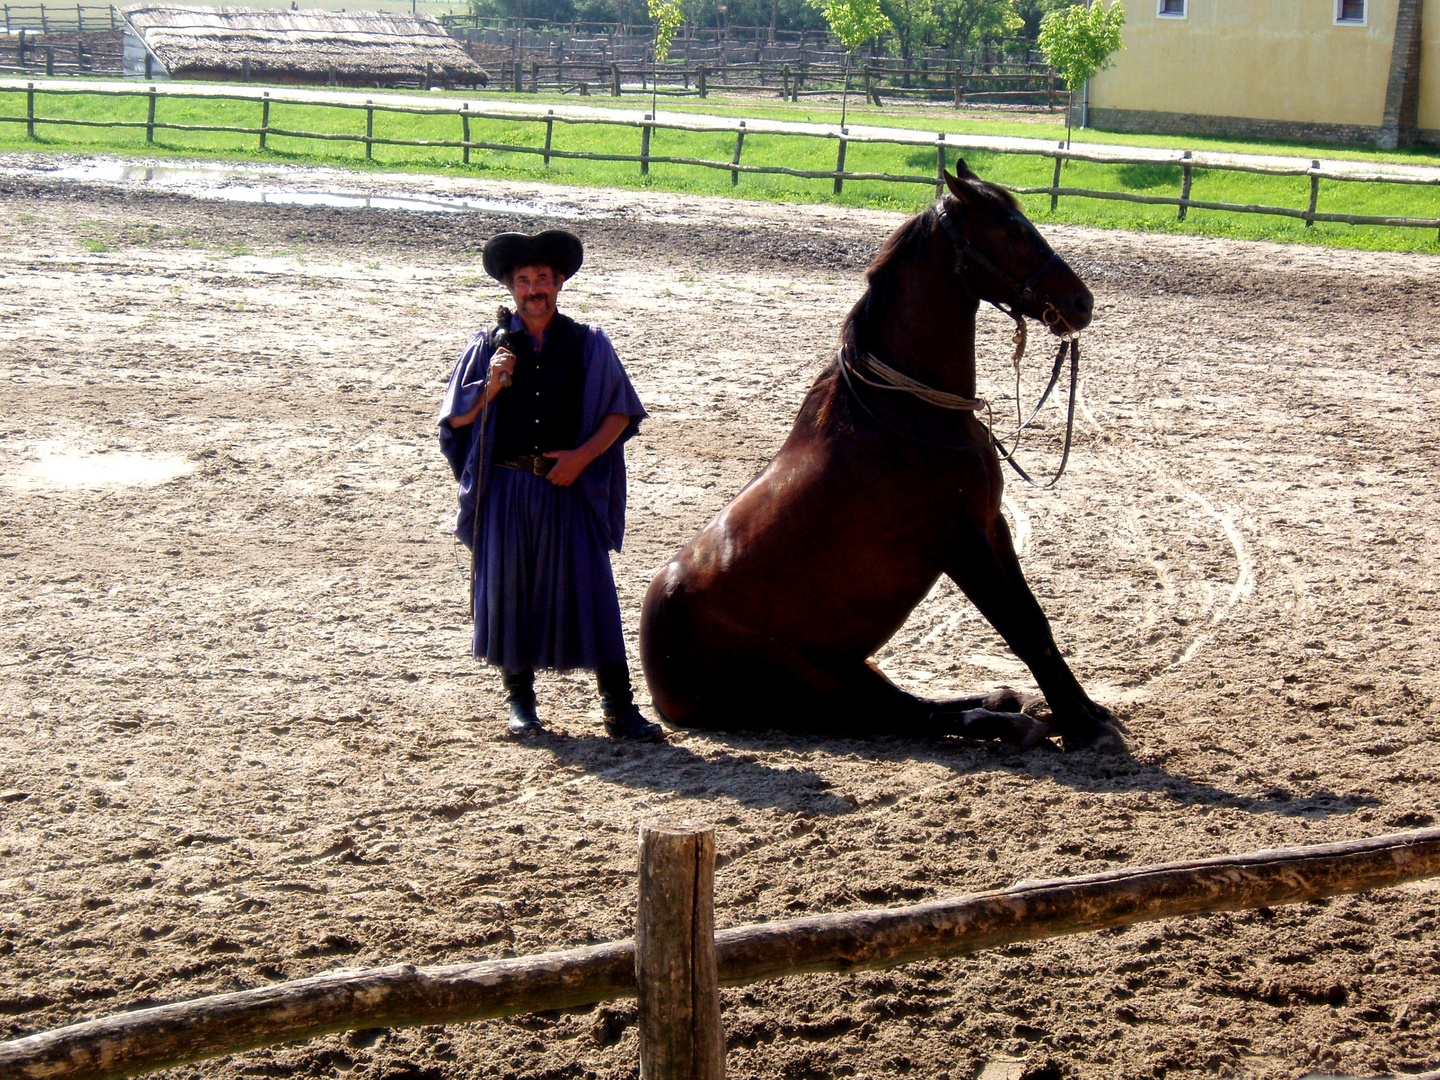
point(1085, 302)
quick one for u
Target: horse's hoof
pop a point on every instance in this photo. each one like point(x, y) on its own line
point(1103, 738)
point(1007, 699)
point(1008, 727)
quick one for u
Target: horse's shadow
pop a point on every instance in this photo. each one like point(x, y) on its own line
point(738, 772)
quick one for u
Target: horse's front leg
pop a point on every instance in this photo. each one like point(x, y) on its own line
point(983, 563)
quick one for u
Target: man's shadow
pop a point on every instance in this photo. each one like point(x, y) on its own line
point(738, 772)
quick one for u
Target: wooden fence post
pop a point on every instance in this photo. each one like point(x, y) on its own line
point(534, 76)
point(940, 165)
point(549, 133)
point(1186, 177)
point(1314, 193)
point(645, 147)
point(739, 145)
point(264, 117)
point(959, 86)
point(465, 132)
point(150, 118)
point(675, 971)
point(79, 19)
point(614, 80)
point(244, 69)
point(785, 83)
point(30, 112)
point(7, 18)
point(840, 161)
point(1055, 180)
point(44, 23)
point(113, 24)
point(700, 82)
point(369, 131)
point(49, 60)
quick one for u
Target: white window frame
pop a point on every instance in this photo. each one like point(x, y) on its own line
point(1183, 13)
point(1364, 19)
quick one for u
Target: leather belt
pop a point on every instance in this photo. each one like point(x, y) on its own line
point(531, 463)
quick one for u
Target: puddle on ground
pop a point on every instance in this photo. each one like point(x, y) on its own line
point(234, 185)
point(51, 471)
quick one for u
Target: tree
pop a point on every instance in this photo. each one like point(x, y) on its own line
point(964, 21)
point(667, 15)
point(913, 22)
point(1079, 41)
point(1032, 11)
point(854, 22)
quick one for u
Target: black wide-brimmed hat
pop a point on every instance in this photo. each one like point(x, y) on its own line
point(555, 248)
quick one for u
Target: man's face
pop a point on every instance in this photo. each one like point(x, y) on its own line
point(534, 289)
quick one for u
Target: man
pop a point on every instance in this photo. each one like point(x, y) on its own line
point(535, 427)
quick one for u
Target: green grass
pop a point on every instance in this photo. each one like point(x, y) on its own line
point(802, 152)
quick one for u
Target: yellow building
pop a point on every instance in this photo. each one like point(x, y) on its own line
point(1329, 70)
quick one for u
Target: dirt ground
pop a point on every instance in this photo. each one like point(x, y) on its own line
point(241, 739)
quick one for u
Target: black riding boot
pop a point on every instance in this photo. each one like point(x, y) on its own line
point(520, 696)
point(623, 720)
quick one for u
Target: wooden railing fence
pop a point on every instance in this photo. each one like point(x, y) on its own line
point(1035, 85)
point(59, 18)
point(1184, 162)
point(24, 55)
point(677, 962)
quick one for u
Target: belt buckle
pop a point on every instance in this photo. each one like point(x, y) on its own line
point(540, 465)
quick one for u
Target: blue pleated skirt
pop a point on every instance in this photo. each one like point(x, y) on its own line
point(544, 590)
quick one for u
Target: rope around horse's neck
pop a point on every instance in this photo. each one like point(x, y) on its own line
point(854, 364)
point(888, 378)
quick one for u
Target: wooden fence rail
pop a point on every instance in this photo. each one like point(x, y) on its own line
point(1184, 163)
point(403, 995)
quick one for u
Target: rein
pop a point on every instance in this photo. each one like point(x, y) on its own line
point(868, 369)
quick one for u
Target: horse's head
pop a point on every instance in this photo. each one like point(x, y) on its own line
point(1001, 257)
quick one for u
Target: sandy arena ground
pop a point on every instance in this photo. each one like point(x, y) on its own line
point(241, 739)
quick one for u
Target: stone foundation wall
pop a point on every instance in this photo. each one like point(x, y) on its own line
point(1162, 123)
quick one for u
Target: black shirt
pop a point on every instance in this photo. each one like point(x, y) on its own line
point(543, 406)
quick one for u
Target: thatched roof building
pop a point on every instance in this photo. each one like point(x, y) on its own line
point(357, 48)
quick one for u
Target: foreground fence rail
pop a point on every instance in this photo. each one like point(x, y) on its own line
point(404, 995)
point(1186, 165)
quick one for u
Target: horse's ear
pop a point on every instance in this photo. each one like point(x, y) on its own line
point(957, 185)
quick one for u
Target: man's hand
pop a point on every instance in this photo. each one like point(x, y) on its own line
point(569, 464)
point(502, 370)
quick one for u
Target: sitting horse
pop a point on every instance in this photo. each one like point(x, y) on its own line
point(887, 480)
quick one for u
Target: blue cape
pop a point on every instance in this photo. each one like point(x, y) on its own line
point(607, 390)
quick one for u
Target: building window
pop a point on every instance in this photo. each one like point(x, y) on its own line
point(1350, 11)
point(1171, 9)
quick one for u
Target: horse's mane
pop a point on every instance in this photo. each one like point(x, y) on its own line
point(881, 273)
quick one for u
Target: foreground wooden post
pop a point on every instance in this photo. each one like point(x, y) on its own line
point(840, 162)
point(739, 146)
point(675, 970)
point(264, 117)
point(465, 131)
point(150, 118)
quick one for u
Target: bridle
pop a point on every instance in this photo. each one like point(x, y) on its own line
point(868, 369)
